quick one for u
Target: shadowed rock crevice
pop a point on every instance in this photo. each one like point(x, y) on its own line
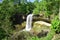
point(17, 18)
point(42, 34)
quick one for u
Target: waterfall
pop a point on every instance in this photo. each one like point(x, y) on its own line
point(28, 25)
point(29, 22)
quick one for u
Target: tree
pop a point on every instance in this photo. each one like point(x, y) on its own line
point(47, 6)
point(6, 10)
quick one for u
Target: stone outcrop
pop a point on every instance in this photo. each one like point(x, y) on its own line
point(43, 23)
point(38, 26)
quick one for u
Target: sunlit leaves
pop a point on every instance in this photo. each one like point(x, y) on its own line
point(55, 24)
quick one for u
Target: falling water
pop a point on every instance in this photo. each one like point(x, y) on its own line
point(28, 25)
point(29, 22)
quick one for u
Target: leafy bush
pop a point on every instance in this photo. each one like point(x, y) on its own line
point(55, 24)
point(2, 33)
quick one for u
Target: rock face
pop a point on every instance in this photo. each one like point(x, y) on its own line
point(38, 26)
point(43, 23)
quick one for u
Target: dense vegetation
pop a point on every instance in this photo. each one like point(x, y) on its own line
point(8, 8)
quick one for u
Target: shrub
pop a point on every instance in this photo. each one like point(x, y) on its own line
point(2, 33)
point(55, 24)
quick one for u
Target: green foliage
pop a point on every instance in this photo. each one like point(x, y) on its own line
point(30, 7)
point(2, 33)
point(48, 7)
point(33, 38)
point(7, 9)
point(36, 11)
point(55, 24)
point(50, 35)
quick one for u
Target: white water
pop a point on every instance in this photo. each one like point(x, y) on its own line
point(29, 22)
point(28, 25)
